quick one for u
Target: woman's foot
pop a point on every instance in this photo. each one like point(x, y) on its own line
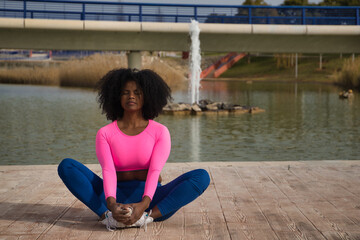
point(143, 221)
point(155, 213)
point(110, 222)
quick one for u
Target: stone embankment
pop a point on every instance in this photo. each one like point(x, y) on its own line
point(208, 107)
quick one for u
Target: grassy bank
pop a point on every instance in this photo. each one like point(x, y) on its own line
point(87, 71)
point(268, 68)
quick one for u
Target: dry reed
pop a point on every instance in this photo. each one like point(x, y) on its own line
point(173, 76)
point(87, 71)
point(284, 60)
point(349, 76)
point(25, 75)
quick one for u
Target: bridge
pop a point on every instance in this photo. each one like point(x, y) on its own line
point(91, 25)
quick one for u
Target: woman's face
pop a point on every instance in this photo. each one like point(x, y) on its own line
point(132, 98)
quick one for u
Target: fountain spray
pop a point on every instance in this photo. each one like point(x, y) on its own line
point(195, 61)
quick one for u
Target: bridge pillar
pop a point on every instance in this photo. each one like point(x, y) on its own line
point(134, 59)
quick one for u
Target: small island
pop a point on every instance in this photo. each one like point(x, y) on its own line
point(208, 107)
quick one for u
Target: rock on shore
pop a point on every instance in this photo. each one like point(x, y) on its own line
point(207, 107)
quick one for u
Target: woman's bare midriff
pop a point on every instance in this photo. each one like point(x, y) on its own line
point(133, 175)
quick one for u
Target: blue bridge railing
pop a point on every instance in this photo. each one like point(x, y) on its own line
point(148, 12)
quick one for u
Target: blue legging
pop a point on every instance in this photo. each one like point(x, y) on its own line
point(88, 188)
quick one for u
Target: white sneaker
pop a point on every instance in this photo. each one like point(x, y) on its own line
point(143, 221)
point(111, 223)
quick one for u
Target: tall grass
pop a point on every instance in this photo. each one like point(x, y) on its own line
point(87, 71)
point(284, 60)
point(25, 75)
point(349, 76)
point(174, 76)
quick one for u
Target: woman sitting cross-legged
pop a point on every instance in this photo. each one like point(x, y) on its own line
point(132, 151)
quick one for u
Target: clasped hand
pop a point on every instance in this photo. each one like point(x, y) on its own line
point(121, 214)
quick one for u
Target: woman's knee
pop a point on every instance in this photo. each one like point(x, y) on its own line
point(64, 165)
point(202, 178)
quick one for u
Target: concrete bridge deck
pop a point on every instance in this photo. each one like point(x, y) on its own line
point(245, 200)
point(50, 34)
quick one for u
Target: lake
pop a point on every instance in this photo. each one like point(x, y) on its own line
point(43, 125)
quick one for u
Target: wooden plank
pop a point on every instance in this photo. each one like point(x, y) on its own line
point(238, 233)
point(25, 207)
point(248, 219)
point(342, 201)
point(297, 193)
point(259, 185)
point(228, 184)
point(238, 204)
point(342, 235)
point(245, 200)
point(343, 179)
point(18, 237)
point(35, 209)
point(172, 227)
point(206, 226)
point(281, 213)
point(311, 235)
point(323, 215)
point(334, 173)
point(74, 224)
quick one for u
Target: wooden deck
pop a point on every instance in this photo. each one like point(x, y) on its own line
point(261, 200)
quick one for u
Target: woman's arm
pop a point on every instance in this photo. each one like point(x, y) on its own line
point(106, 161)
point(104, 156)
point(158, 159)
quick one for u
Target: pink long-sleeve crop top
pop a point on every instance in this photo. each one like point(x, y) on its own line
point(117, 151)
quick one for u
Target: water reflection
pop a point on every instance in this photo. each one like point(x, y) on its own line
point(42, 125)
point(195, 139)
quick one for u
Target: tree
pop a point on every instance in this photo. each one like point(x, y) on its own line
point(215, 18)
point(255, 2)
point(340, 3)
point(264, 15)
point(295, 3)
